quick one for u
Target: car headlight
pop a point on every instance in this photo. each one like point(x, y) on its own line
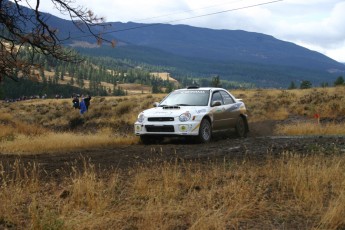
point(185, 116)
point(141, 118)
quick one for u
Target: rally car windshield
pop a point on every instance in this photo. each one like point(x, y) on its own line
point(187, 98)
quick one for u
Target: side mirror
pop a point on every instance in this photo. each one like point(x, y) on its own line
point(156, 104)
point(216, 103)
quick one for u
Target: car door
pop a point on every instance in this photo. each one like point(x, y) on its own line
point(231, 109)
point(219, 112)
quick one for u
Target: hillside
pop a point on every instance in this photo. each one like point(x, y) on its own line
point(233, 55)
point(222, 45)
point(183, 50)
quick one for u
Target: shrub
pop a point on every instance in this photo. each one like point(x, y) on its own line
point(124, 107)
point(75, 122)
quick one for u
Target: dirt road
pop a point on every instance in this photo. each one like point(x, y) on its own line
point(230, 148)
point(258, 146)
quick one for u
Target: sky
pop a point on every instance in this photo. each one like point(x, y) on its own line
point(315, 24)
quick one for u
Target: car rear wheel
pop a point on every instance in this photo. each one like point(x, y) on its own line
point(205, 131)
point(241, 130)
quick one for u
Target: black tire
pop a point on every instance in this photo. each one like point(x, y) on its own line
point(205, 131)
point(241, 129)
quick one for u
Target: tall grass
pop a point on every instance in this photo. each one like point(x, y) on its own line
point(280, 104)
point(62, 142)
point(53, 125)
point(41, 126)
point(311, 128)
point(289, 192)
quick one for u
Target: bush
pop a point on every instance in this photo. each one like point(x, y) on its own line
point(124, 107)
point(76, 122)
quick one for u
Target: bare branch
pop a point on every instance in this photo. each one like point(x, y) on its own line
point(27, 27)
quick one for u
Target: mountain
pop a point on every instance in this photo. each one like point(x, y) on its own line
point(191, 51)
point(221, 45)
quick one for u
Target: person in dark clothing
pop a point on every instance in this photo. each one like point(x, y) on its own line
point(75, 102)
point(87, 100)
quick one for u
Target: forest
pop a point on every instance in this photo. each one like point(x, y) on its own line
point(55, 77)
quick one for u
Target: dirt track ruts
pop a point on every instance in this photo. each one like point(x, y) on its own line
point(52, 165)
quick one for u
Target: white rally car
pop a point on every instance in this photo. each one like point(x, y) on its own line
point(194, 112)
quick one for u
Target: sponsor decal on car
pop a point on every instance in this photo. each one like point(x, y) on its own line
point(235, 107)
point(201, 111)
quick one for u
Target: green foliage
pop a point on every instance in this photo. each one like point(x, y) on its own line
point(95, 70)
point(242, 72)
point(324, 84)
point(216, 81)
point(292, 85)
point(25, 87)
point(2, 93)
point(119, 91)
point(305, 85)
point(339, 81)
point(156, 89)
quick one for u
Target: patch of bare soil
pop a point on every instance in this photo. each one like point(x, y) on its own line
point(257, 147)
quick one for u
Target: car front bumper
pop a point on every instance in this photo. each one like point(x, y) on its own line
point(190, 128)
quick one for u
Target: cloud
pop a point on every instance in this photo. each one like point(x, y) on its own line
point(317, 29)
point(318, 25)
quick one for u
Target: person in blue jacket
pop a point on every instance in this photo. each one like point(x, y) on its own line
point(82, 106)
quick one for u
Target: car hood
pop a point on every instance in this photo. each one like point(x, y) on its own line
point(173, 111)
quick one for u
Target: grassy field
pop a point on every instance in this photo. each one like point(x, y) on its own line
point(26, 125)
point(291, 191)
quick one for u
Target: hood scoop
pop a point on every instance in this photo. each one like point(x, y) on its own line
point(171, 107)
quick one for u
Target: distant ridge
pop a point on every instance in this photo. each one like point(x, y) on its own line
point(199, 52)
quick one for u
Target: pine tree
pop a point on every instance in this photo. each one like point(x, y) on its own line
point(339, 81)
point(305, 85)
point(216, 82)
point(292, 85)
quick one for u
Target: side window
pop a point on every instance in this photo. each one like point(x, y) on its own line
point(227, 98)
point(217, 97)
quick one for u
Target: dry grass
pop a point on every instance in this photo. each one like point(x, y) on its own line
point(311, 128)
point(289, 192)
point(63, 142)
point(280, 104)
point(41, 124)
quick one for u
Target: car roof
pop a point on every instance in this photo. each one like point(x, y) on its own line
point(202, 88)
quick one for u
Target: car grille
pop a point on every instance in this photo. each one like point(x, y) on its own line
point(158, 129)
point(160, 119)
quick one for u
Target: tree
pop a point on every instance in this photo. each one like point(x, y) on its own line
point(216, 82)
point(27, 29)
point(292, 85)
point(155, 88)
point(324, 84)
point(305, 85)
point(339, 81)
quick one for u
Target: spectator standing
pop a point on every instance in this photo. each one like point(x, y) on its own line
point(75, 102)
point(87, 100)
point(82, 106)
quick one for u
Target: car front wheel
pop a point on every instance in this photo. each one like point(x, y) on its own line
point(205, 131)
